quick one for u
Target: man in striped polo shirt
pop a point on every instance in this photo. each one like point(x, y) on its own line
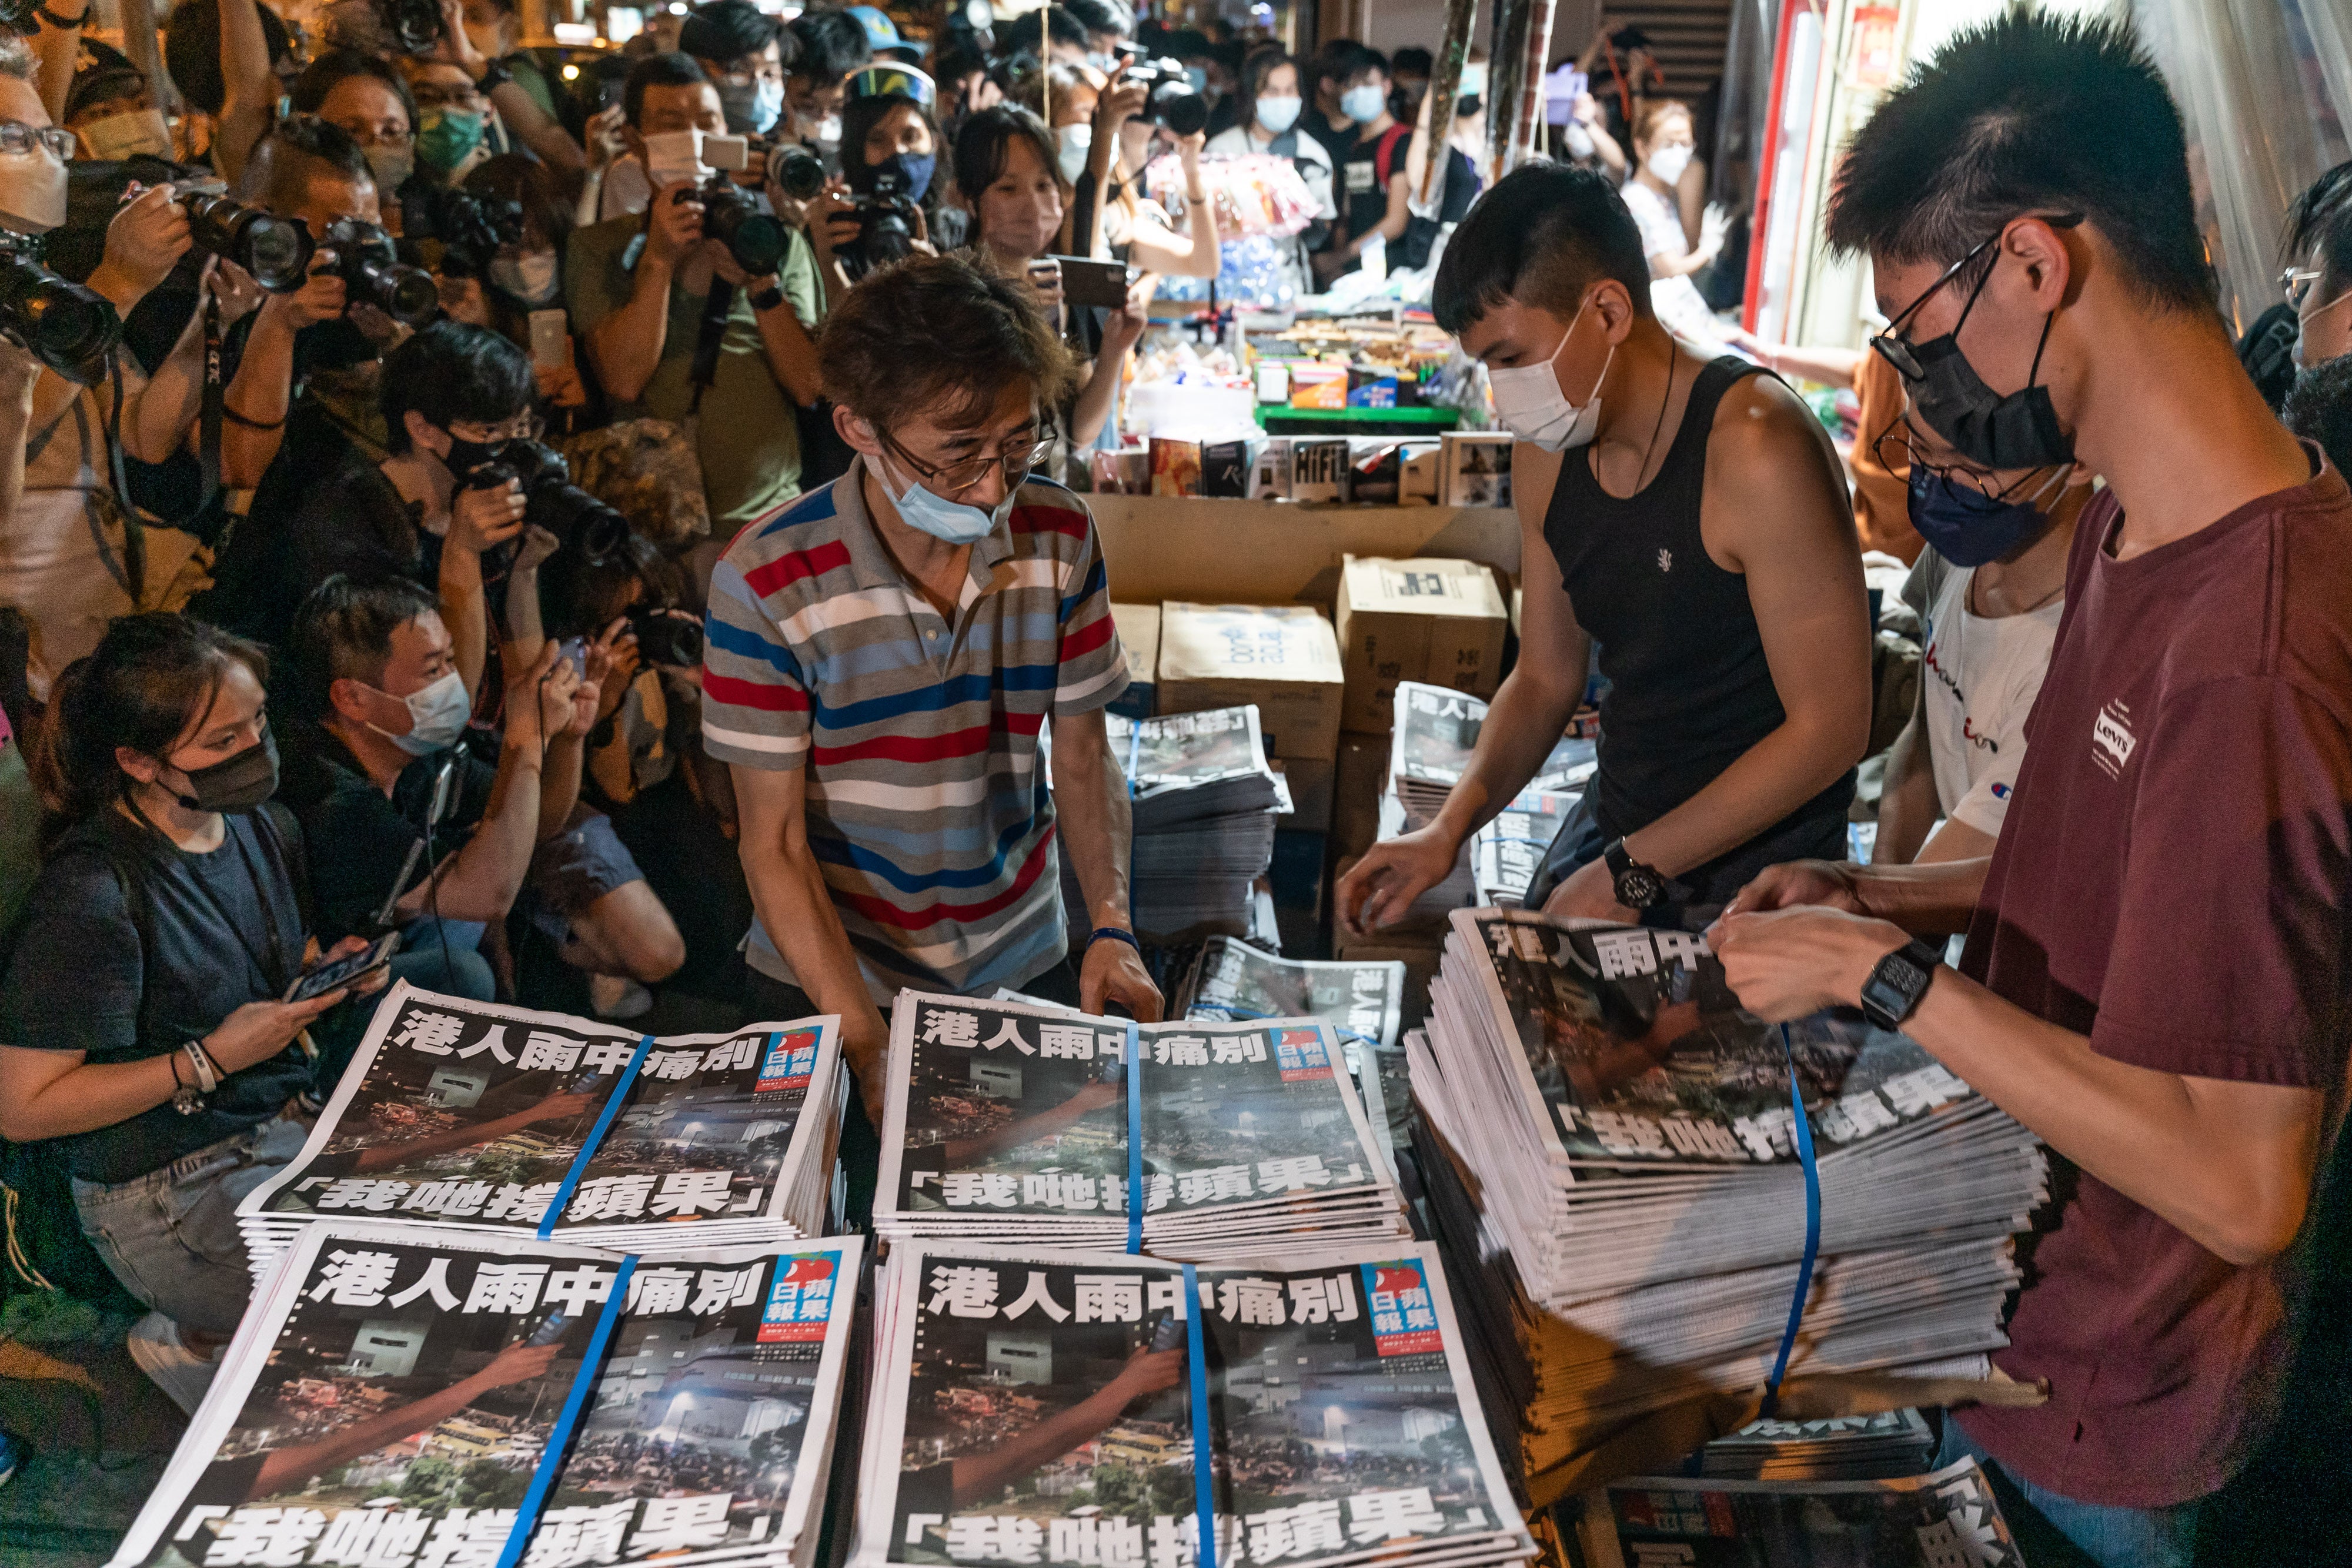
point(882, 656)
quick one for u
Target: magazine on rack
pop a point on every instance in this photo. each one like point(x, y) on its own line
point(1039, 1407)
point(1007, 1122)
point(1204, 803)
point(1598, 1103)
point(406, 1397)
point(1939, 1520)
point(475, 1116)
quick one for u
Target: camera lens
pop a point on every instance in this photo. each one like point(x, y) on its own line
point(756, 240)
point(275, 252)
point(796, 171)
point(65, 326)
point(1176, 106)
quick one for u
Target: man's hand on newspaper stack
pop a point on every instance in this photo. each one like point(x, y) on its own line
point(1382, 885)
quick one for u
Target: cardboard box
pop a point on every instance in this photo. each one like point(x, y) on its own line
point(1273, 382)
point(1430, 619)
point(1478, 468)
point(1225, 468)
point(1139, 639)
point(1270, 473)
point(1356, 775)
point(1282, 658)
point(1318, 468)
point(1316, 385)
point(1309, 780)
point(1175, 467)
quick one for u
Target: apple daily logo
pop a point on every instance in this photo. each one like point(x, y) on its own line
point(2112, 739)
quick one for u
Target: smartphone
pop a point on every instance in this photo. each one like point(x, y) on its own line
point(1103, 283)
point(550, 1330)
point(337, 973)
point(574, 651)
point(551, 340)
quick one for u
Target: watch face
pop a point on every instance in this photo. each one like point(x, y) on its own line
point(1638, 887)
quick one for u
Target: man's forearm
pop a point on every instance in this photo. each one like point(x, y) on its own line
point(260, 394)
point(559, 784)
point(1906, 800)
point(627, 345)
point(547, 138)
point(1097, 825)
point(792, 354)
point(1523, 723)
point(484, 877)
point(1095, 399)
point(1764, 784)
point(465, 610)
point(1934, 899)
point(158, 419)
point(796, 911)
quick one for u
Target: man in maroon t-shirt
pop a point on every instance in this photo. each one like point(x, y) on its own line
point(2155, 979)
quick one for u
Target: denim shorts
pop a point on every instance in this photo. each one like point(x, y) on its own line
point(575, 869)
point(171, 1236)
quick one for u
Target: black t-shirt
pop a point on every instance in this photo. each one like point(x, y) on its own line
point(323, 507)
point(371, 834)
point(1338, 136)
point(1361, 183)
point(119, 983)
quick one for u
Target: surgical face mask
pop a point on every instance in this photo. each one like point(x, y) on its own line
point(391, 166)
point(1667, 163)
point(1071, 144)
point(1473, 83)
point(1199, 76)
point(447, 137)
point(1363, 104)
point(32, 190)
point(750, 107)
point(828, 135)
point(1529, 402)
point(531, 277)
point(465, 455)
point(767, 105)
point(1105, 63)
point(674, 155)
point(234, 783)
point(2018, 431)
point(1277, 114)
point(436, 716)
point(950, 521)
point(1967, 527)
point(141, 132)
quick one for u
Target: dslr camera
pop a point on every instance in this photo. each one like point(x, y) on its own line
point(411, 27)
point(888, 220)
point(1174, 106)
point(368, 261)
point(69, 328)
point(551, 501)
point(795, 171)
point(463, 230)
point(275, 250)
point(731, 214)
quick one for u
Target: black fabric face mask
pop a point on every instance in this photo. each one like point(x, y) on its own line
point(234, 784)
point(465, 455)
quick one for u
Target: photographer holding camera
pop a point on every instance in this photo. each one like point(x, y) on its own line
point(680, 322)
point(885, 205)
point(832, 46)
point(1147, 101)
point(367, 101)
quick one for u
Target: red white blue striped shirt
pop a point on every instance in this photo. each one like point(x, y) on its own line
point(927, 800)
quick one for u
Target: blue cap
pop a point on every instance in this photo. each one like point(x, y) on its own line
point(881, 33)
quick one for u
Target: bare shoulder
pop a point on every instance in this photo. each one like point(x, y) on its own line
point(1772, 472)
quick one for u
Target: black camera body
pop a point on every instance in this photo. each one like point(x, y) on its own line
point(412, 26)
point(551, 501)
point(368, 261)
point(1175, 105)
point(731, 215)
point(69, 328)
point(665, 639)
point(458, 229)
point(275, 250)
point(888, 220)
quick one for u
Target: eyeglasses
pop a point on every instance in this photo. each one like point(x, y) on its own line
point(16, 136)
point(955, 479)
point(521, 427)
point(1985, 482)
point(382, 133)
point(435, 96)
point(1896, 350)
point(2296, 283)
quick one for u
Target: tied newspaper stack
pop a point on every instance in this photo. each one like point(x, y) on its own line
point(1204, 802)
point(1005, 1122)
point(1614, 1151)
point(411, 1396)
point(467, 1115)
point(1100, 1408)
point(1436, 730)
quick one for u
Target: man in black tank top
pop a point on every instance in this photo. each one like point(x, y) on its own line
point(1689, 517)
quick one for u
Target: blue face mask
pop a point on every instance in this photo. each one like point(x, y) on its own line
point(1363, 104)
point(915, 170)
point(951, 521)
point(1277, 114)
point(767, 106)
point(1967, 527)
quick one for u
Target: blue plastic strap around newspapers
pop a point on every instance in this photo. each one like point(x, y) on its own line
point(563, 1198)
point(559, 1437)
point(1134, 752)
point(1804, 1136)
point(1205, 1487)
point(1134, 1139)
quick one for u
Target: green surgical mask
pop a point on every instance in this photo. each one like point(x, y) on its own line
point(447, 137)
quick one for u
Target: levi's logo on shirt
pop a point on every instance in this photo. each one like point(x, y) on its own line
point(2112, 739)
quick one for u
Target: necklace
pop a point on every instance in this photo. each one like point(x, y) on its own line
point(1664, 399)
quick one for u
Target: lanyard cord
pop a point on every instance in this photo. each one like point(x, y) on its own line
point(1804, 1135)
point(271, 969)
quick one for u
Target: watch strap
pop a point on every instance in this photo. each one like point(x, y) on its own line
point(495, 78)
point(767, 299)
point(1897, 982)
point(1113, 934)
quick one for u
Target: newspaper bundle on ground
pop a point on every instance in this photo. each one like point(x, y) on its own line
point(1639, 1210)
point(473, 1116)
point(403, 1396)
point(1089, 1408)
point(1506, 854)
point(1361, 1000)
point(1833, 1449)
point(1205, 802)
point(1007, 1122)
point(1948, 1519)
point(1436, 730)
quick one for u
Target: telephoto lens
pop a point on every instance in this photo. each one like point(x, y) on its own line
point(274, 250)
point(796, 171)
point(730, 216)
point(373, 273)
point(68, 327)
point(551, 501)
point(413, 26)
point(1175, 105)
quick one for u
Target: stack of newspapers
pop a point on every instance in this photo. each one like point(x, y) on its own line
point(406, 1397)
point(1204, 802)
point(1949, 1518)
point(1599, 1106)
point(1013, 1123)
point(1507, 853)
point(1042, 1407)
point(1829, 1449)
point(467, 1115)
point(1436, 731)
point(1362, 1000)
